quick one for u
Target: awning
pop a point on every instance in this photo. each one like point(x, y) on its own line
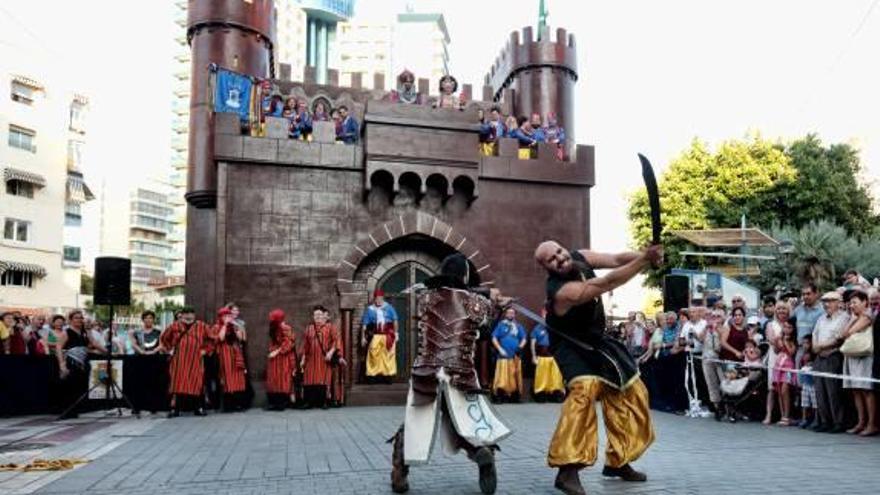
point(24, 176)
point(18, 266)
point(726, 237)
point(77, 190)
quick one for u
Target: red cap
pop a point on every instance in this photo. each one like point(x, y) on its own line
point(276, 315)
point(378, 293)
point(223, 312)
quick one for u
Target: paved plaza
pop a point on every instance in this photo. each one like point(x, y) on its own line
point(343, 451)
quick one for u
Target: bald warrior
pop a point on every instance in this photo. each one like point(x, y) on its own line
point(595, 366)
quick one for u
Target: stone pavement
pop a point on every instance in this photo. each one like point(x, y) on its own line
point(343, 451)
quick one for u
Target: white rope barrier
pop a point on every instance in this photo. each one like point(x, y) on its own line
point(805, 371)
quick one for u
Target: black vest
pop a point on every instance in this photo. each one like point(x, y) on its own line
point(599, 356)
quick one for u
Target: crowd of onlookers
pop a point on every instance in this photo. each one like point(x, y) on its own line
point(301, 119)
point(804, 359)
point(528, 131)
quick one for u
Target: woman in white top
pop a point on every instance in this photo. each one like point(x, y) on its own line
point(773, 333)
point(861, 367)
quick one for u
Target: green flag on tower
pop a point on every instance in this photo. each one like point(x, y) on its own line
point(542, 16)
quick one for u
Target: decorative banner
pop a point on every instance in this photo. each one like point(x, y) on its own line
point(98, 378)
point(233, 94)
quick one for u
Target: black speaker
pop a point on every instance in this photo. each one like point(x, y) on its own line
point(112, 281)
point(676, 292)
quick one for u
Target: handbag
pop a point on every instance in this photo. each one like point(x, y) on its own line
point(859, 344)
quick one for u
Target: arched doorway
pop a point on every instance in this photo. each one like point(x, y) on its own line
point(395, 284)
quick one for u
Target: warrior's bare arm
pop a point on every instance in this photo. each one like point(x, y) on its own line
point(609, 260)
point(575, 293)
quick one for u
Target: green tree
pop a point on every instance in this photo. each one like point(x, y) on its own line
point(828, 187)
point(821, 252)
point(86, 284)
point(704, 189)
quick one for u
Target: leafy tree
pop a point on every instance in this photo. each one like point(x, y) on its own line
point(701, 189)
point(821, 252)
point(86, 284)
point(772, 184)
point(828, 187)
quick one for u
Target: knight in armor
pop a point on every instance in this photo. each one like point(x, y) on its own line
point(444, 385)
point(595, 366)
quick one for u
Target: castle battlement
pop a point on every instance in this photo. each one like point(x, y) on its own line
point(527, 53)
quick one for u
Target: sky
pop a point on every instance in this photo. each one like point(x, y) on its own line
point(652, 77)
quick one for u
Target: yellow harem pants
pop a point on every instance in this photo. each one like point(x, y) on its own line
point(548, 378)
point(627, 424)
point(381, 361)
point(508, 376)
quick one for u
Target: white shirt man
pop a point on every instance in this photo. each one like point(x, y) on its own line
point(692, 330)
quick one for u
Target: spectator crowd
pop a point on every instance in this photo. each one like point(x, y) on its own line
point(804, 359)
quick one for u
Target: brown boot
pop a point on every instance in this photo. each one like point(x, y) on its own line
point(484, 457)
point(568, 481)
point(625, 472)
point(399, 470)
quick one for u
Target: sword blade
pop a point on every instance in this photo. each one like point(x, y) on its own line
point(653, 198)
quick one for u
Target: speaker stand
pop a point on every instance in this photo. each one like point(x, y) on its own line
point(112, 386)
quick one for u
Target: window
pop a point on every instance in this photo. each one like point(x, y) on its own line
point(77, 117)
point(22, 138)
point(16, 230)
point(72, 254)
point(23, 93)
point(17, 278)
point(20, 188)
point(73, 214)
point(74, 154)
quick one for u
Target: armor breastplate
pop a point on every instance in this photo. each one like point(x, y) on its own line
point(449, 321)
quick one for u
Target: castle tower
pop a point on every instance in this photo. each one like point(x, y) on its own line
point(237, 35)
point(537, 76)
point(234, 34)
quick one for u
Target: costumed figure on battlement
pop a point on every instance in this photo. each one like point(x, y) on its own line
point(555, 134)
point(406, 91)
point(448, 98)
point(444, 385)
point(595, 366)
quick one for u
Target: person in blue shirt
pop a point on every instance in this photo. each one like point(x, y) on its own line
point(527, 137)
point(379, 331)
point(548, 379)
point(302, 119)
point(350, 130)
point(555, 134)
point(508, 338)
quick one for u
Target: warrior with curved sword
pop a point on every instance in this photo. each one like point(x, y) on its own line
point(444, 385)
point(595, 366)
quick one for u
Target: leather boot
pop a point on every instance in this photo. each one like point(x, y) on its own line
point(625, 472)
point(484, 457)
point(399, 470)
point(568, 481)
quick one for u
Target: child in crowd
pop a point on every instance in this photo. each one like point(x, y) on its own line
point(784, 380)
point(752, 355)
point(808, 390)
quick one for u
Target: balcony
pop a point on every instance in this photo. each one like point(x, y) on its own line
point(150, 224)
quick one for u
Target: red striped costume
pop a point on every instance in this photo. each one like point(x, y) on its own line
point(318, 341)
point(280, 369)
point(232, 367)
point(186, 367)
